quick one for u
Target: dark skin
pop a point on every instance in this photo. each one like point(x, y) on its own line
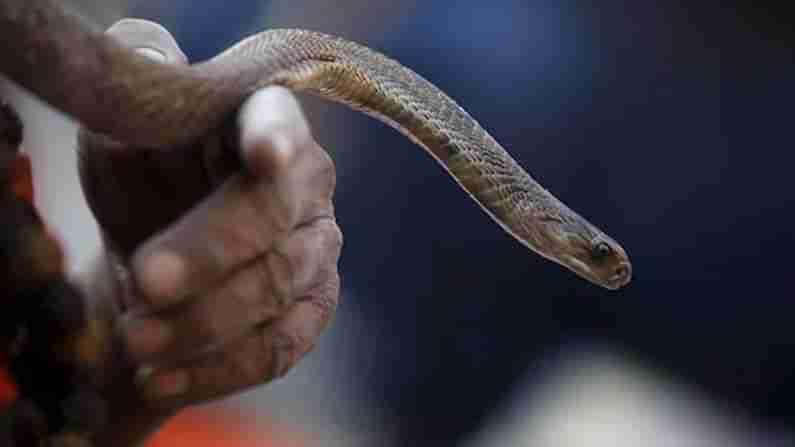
point(232, 271)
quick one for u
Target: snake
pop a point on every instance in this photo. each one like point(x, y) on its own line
point(112, 90)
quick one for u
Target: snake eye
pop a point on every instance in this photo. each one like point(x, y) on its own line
point(601, 250)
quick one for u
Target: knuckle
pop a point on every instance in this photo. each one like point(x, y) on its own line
point(258, 296)
point(330, 239)
point(321, 243)
point(328, 175)
point(326, 169)
point(336, 237)
point(286, 349)
point(325, 299)
point(316, 177)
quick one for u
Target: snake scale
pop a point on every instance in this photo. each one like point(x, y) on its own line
point(113, 91)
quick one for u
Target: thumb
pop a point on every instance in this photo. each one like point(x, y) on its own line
point(149, 39)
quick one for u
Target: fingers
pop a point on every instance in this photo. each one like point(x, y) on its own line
point(268, 140)
point(257, 293)
point(289, 181)
point(149, 39)
point(263, 354)
point(234, 291)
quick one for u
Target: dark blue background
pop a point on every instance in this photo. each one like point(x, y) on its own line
point(629, 112)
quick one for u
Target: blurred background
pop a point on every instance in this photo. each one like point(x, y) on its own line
point(449, 332)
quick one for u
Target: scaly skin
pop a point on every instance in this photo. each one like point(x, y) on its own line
point(115, 92)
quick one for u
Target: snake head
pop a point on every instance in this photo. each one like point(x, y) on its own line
point(571, 241)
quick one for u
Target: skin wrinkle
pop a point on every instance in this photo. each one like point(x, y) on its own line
point(256, 262)
point(258, 259)
point(324, 299)
point(321, 225)
point(321, 237)
point(287, 346)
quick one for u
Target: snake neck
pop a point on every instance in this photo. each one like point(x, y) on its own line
point(161, 105)
point(345, 72)
point(127, 97)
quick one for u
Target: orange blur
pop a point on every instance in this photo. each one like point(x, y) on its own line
point(205, 427)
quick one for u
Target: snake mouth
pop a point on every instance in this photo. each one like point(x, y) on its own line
point(582, 269)
point(620, 277)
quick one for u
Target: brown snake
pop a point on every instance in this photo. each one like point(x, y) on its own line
point(118, 93)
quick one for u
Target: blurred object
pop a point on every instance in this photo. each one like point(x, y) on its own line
point(360, 20)
point(594, 397)
point(8, 390)
point(42, 372)
point(100, 12)
point(210, 426)
point(50, 142)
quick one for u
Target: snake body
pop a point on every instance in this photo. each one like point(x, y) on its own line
point(357, 76)
point(164, 106)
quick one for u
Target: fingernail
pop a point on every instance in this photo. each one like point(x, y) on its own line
point(151, 53)
point(146, 337)
point(161, 276)
point(167, 384)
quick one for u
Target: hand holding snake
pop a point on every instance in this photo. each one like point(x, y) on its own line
point(235, 269)
point(168, 105)
point(149, 106)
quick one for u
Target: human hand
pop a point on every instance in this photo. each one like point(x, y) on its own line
point(234, 269)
